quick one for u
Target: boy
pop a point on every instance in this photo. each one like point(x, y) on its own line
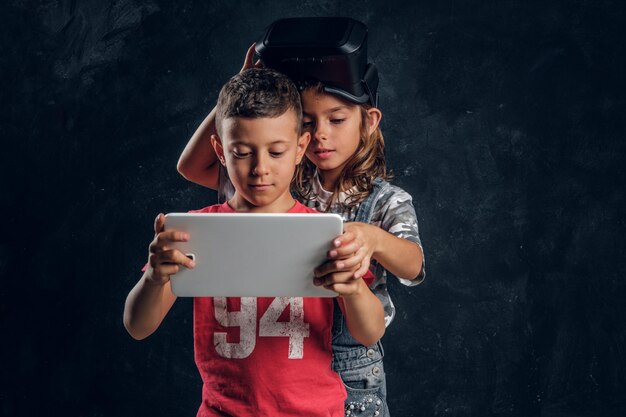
point(258, 356)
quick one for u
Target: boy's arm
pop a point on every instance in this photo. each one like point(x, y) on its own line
point(364, 314)
point(363, 311)
point(198, 162)
point(151, 298)
point(146, 306)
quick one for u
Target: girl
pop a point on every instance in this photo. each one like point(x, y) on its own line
point(345, 173)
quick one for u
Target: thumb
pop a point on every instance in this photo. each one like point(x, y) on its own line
point(249, 60)
point(363, 268)
point(159, 223)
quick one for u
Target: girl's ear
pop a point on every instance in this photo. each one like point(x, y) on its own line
point(303, 143)
point(219, 150)
point(373, 119)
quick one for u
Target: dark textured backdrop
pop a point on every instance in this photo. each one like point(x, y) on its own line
point(504, 120)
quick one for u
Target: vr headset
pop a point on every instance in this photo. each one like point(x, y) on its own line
point(332, 50)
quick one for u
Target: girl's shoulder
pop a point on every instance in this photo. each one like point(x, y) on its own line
point(394, 212)
point(388, 194)
point(393, 205)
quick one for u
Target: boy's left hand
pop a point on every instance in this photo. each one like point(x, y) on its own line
point(354, 248)
point(343, 283)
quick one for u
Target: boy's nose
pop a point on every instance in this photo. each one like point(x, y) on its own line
point(260, 167)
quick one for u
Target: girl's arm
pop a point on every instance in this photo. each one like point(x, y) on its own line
point(151, 298)
point(391, 238)
point(198, 162)
point(402, 257)
point(361, 242)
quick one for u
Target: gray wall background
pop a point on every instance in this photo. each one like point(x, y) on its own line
point(504, 120)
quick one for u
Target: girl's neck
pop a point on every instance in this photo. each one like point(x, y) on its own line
point(329, 180)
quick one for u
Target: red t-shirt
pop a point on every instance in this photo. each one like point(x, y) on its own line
point(266, 356)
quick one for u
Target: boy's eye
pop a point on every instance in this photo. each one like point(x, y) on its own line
point(276, 154)
point(241, 154)
point(306, 124)
point(337, 121)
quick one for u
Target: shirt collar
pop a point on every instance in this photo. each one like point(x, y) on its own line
point(323, 196)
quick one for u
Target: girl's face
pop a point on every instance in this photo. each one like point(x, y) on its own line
point(335, 128)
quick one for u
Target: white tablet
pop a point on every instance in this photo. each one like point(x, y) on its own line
point(253, 255)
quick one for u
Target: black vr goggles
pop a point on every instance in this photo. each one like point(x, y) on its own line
point(332, 50)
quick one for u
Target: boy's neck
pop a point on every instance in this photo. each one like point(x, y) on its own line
point(281, 205)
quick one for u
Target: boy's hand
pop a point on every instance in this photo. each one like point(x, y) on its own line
point(343, 283)
point(164, 261)
point(249, 60)
point(354, 248)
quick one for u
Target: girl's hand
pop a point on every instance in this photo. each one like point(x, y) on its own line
point(249, 60)
point(164, 261)
point(354, 247)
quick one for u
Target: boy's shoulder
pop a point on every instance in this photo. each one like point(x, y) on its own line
point(215, 208)
point(301, 208)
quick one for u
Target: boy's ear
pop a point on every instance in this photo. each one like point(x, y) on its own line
point(303, 143)
point(373, 119)
point(219, 150)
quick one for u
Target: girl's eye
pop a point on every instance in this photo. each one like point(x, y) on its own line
point(241, 155)
point(337, 121)
point(276, 154)
point(306, 125)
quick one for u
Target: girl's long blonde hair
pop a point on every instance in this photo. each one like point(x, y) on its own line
point(363, 167)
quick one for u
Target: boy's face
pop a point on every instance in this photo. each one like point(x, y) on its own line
point(261, 156)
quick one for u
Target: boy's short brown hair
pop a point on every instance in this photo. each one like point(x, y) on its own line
point(256, 93)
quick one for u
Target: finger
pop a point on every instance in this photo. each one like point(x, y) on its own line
point(341, 288)
point(338, 288)
point(333, 278)
point(353, 262)
point(171, 236)
point(162, 241)
point(341, 241)
point(343, 265)
point(352, 258)
point(346, 250)
point(249, 60)
point(176, 257)
point(159, 224)
point(336, 278)
point(345, 238)
point(163, 265)
point(363, 268)
point(327, 268)
point(165, 270)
